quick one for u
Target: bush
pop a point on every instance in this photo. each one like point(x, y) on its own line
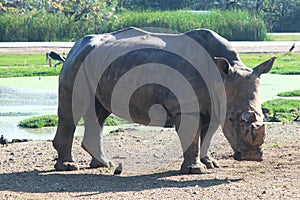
point(295, 93)
point(236, 25)
point(281, 105)
point(39, 122)
point(43, 26)
point(52, 120)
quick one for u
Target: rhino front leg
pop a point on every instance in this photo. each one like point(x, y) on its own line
point(63, 140)
point(191, 163)
point(92, 139)
point(206, 138)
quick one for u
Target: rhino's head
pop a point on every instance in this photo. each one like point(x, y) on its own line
point(243, 126)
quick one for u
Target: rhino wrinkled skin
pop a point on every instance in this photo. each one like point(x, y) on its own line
point(243, 119)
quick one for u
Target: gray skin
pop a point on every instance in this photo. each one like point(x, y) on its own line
point(243, 126)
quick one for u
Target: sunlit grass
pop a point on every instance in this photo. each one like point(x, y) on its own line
point(286, 63)
point(283, 37)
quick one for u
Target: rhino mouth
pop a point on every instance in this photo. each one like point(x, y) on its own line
point(252, 155)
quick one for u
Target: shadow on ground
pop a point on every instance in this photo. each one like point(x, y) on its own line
point(51, 181)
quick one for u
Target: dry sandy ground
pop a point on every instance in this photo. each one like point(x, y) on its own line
point(151, 160)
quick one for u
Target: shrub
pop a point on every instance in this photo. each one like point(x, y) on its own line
point(238, 25)
point(43, 26)
point(281, 105)
point(52, 120)
point(39, 122)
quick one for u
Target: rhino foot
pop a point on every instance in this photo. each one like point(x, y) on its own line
point(197, 168)
point(95, 163)
point(66, 166)
point(210, 162)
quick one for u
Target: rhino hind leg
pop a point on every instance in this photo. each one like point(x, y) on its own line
point(191, 163)
point(205, 157)
point(92, 139)
point(62, 142)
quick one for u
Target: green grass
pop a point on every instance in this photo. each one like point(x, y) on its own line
point(18, 65)
point(23, 60)
point(295, 93)
point(15, 65)
point(39, 122)
point(42, 26)
point(286, 63)
point(51, 120)
point(282, 108)
point(283, 37)
point(281, 105)
point(237, 25)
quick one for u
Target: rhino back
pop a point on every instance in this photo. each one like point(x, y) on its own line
point(215, 45)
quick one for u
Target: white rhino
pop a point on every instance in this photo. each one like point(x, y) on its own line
point(194, 81)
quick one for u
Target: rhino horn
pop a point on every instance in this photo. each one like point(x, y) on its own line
point(223, 65)
point(256, 135)
point(264, 67)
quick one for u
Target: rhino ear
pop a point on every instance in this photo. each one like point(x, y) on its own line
point(265, 67)
point(223, 65)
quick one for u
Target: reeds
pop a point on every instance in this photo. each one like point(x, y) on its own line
point(43, 26)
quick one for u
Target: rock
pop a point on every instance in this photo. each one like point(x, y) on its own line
point(20, 140)
point(119, 130)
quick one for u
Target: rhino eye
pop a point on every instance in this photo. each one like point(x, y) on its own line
point(231, 117)
point(248, 116)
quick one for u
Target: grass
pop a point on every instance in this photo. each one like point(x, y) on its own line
point(281, 105)
point(51, 120)
point(295, 93)
point(39, 26)
point(15, 65)
point(286, 63)
point(283, 37)
point(237, 25)
point(18, 65)
point(283, 108)
point(23, 60)
point(39, 122)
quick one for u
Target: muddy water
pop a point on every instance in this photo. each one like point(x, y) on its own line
point(18, 103)
point(21, 98)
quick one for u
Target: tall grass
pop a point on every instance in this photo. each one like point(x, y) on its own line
point(43, 26)
point(236, 25)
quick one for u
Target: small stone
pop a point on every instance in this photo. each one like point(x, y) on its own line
point(227, 180)
point(196, 192)
point(264, 192)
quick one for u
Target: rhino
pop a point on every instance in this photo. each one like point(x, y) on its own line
point(101, 71)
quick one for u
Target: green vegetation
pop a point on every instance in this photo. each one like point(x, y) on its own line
point(283, 108)
point(283, 37)
point(281, 105)
point(113, 120)
point(51, 120)
point(295, 93)
point(43, 26)
point(287, 63)
point(18, 65)
point(236, 25)
point(15, 65)
point(39, 122)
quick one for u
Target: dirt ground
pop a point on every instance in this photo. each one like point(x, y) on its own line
point(151, 160)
